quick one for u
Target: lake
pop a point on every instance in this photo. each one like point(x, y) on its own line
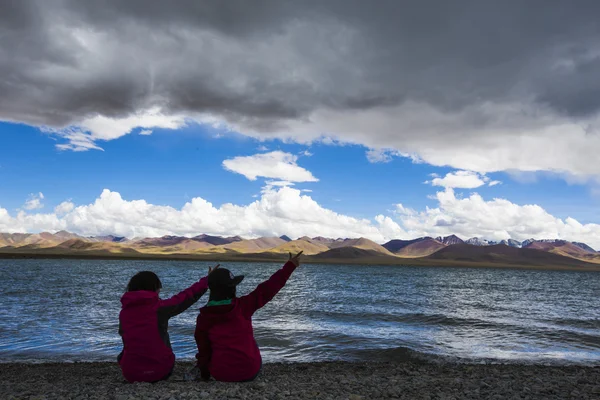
point(67, 310)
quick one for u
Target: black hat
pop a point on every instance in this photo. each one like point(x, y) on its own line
point(222, 277)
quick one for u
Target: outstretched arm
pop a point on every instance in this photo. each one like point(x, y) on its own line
point(269, 288)
point(182, 301)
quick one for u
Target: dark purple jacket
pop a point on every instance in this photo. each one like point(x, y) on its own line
point(143, 324)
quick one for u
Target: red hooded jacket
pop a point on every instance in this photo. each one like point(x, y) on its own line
point(143, 325)
point(226, 346)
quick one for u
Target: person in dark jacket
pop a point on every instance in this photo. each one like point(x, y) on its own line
point(227, 350)
point(143, 325)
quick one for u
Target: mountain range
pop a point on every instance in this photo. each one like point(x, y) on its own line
point(448, 250)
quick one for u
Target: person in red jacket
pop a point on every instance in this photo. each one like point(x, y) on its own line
point(143, 323)
point(227, 350)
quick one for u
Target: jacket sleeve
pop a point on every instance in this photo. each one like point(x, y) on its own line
point(204, 349)
point(182, 301)
point(266, 290)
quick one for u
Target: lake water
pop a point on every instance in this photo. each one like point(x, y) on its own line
point(65, 310)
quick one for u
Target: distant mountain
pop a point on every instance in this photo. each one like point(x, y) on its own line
point(448, 250)
point(396, 245)
point(360, 243)
point(514, 243)
point(351, 253)
point(420, 248)
point(12, 239)
point(448, 240)
point(253, 245)
point(216, 240)
point(561, 247)
point(87, 247)
point(36, 240)
point(109, 238)
point(305, 244)
point(475, 241)
point(526, 242)
point(503, 255)
point(584, 247)
point(167, 240)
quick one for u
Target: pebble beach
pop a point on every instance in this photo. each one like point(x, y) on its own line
point(327, 380)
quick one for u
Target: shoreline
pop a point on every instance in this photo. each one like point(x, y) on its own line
point(255, 258)
point(321, 380)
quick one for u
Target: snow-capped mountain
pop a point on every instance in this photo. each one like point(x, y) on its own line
point(475, 241)
point(448, 240)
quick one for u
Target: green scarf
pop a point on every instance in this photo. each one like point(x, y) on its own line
point(218, 303)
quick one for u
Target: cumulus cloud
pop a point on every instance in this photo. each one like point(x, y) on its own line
point(462, 180)
point(381, 155)
point(64, 207)
point(495, 219)
point(85, 136)
point(270, 185)
point(275, 213)
point(482, 97)
point(275, 165)
point(285, 210)
point(34, 202)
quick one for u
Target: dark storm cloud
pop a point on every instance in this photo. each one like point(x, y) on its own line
point(263, 61)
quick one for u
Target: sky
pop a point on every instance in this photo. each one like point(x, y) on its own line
point(329, 118)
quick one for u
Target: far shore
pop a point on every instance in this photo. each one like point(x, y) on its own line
point(281, 258)
point(325, 380)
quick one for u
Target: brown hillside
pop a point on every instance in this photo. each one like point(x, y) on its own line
point(361, 243)
point(396, 245)
point(501, 254)
point(13, 239)
point(350, 253)
point(308, 247)
point(184, 246)
point(255, 245)
point(166, 240)
point(78, 245)
point(592, 257)
point(420, 248)
point(561, 247)
point(216, 240)
point(40, 240)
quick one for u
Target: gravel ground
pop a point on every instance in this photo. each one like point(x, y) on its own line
point(334, 380)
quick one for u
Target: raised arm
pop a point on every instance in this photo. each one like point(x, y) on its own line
point(182, 301)
point(269, 288)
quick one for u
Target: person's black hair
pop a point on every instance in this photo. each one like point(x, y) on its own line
point(222, 293)
point(144, 280)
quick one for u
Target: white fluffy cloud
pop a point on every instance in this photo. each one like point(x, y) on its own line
point(275, 165)
point(287, 211)
point(34, 202)
point(462, 180)
point(84, 136)
point(64, 207)
point(495, 219)
point(277, 212)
